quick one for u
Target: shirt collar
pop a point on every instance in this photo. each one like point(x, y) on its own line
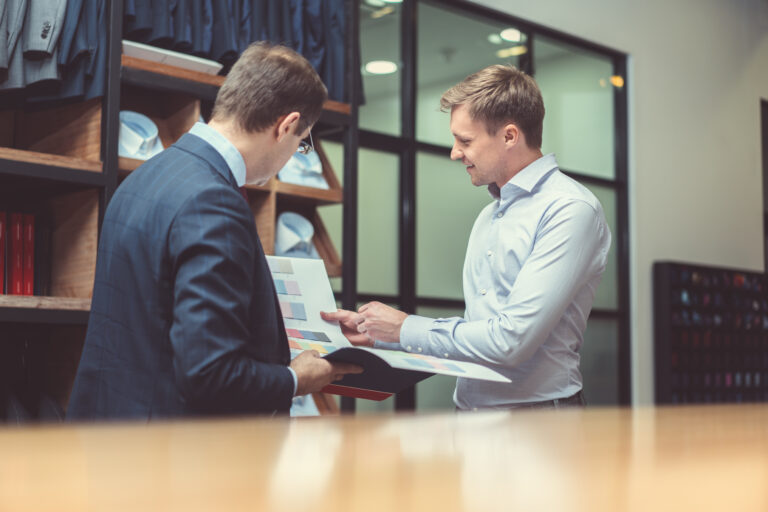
point(226, 149)
point(527, 179)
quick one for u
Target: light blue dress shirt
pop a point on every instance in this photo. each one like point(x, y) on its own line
point(236, 164)
point(534, 259)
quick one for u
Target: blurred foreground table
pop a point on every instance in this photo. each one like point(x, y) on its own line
point(682, 459)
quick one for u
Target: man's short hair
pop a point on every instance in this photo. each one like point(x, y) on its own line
point(498, 95)
point(267, 82)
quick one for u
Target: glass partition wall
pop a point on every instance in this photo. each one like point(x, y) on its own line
point(416, 207)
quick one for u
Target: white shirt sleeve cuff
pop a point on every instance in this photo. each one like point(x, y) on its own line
point(295, 380)
point(414, 334)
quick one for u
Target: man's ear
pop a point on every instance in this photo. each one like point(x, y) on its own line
point(286, 125)
point(512, 134)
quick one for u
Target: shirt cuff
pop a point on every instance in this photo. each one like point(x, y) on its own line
point(414, 333)
point(295, 380)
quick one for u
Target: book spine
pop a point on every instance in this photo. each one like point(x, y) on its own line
point(29, 254)
point(16, 255)
point(3, 236)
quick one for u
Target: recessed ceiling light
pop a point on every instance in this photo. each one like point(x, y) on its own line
point(511, 52)
point(494, 38)
point(375, 3)
point(381, 67)
point(512, 35)
point(393, 1)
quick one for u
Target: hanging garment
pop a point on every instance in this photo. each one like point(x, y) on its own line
point(3, 41)
point(334, 29)
point(16, 12)
point(182, 26)
point(40, 40)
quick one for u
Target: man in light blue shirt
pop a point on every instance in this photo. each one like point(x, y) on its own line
point(534, 259)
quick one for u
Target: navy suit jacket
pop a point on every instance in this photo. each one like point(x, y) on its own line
point(184, 318)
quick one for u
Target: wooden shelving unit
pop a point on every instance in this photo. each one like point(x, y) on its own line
point(63, 161)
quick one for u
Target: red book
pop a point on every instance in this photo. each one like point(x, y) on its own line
point(29, 254)
point(16, 255)
point(2, 252)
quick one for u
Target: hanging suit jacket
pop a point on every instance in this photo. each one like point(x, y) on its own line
point(184, 318)
point(40, 40)
point(3, 41)
point(16, 11)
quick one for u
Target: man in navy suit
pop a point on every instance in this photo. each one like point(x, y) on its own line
point(184, 319)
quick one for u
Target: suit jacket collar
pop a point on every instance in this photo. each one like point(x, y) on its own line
point(200, 148)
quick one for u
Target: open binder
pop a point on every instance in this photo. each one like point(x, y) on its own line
point(303, 291)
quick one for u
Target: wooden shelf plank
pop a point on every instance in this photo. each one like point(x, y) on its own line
point(175, 73)
point(46, 159)
point(317, 195)
point(44, 310)
point(46, 303)
point(338, 107)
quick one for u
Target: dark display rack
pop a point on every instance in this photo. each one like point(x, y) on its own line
point(711, 334)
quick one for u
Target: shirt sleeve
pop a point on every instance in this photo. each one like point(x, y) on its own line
point(568, 250)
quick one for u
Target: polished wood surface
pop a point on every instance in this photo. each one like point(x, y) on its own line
point(682, 459)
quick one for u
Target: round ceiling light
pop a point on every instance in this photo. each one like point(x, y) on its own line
point(381, 67)
point(512, 35)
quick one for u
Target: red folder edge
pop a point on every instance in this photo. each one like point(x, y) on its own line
point(29, 254)
point(2, 252)
point(368, 394)
point(16, 256)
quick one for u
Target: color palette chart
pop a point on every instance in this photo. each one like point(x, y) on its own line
point(711, 335)
point(285, 287)
point(303, 291)
point(294, 310)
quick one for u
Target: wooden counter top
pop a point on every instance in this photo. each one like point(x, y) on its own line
point(682, 459)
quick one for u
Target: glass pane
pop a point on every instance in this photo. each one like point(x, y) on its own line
point(451, 46)
point(578, 97)
point(446, 207)
point(436, 392)
point(380, 41)
point(377, 219)
point(607, 295)
point(600, 361)
point(378, 226)
point(332, 215)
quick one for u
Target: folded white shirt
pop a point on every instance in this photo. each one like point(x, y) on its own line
point(293, 237)
point(304, 170)
point(139, 137)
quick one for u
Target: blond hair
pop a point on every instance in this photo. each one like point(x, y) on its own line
point(498, 95)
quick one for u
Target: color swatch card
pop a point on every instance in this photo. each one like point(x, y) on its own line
point(303, 291)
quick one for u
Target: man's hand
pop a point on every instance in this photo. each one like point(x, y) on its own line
point(349, 321)
point(314, 373)
point(381, 322)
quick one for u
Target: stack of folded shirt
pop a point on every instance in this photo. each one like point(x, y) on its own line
point(304, 170)
point(139, 137)
point(293, 237)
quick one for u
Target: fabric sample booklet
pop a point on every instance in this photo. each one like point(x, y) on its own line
point(303, 291)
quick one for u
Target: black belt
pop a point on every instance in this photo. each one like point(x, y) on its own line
point(576, 400)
